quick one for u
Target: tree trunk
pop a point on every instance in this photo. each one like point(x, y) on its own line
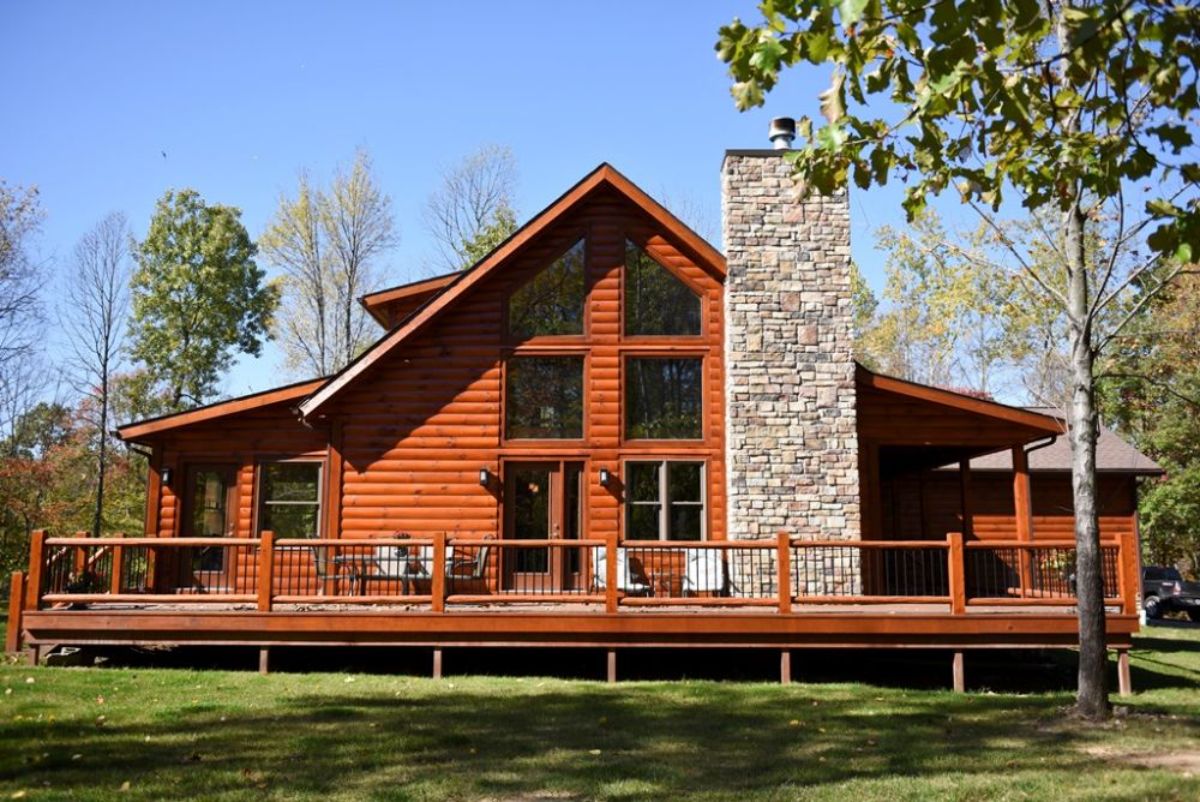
point(1092, 696)
point(102, 463)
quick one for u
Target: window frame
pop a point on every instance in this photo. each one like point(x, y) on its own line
point(260, 502)
point(652, 250)
point(506, 358)
point(700, 355)
point(664, 501)
point(562, 246)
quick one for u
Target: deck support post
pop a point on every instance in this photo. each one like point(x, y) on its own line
point(785, 667)
point(437, 663)
point(1124, 680)
point(437, 585)
point(35, 655)
point(16, 606)
point(612, 665)
point(959, 672)
point(37, 558)
point(264, 660)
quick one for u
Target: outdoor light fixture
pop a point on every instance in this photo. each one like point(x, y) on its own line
point(485, 477)
point(165, 475)
point(605, 477)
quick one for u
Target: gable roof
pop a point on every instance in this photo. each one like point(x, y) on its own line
point(604, 176)
point(415, 292)
point(139, 430)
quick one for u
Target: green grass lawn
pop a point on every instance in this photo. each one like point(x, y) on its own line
point(159, 733)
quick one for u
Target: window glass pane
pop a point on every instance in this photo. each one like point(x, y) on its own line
point(643, 522)
point(291, 481)
point(290, 520)
point(544, 397)
point(663, 398)
point(685, 521)
point(683, 481)
point(656, 302)
point(552, 301)
point(643, 481)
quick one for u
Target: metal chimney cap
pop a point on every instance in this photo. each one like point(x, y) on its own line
point(782, 132)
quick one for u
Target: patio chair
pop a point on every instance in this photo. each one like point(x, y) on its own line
point(705, 573)
point(466, 569)
point(626, 580)
point(326, 570)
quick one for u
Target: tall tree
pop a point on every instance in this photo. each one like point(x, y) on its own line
point(328, 243)
point(22, 278)
point(95, 319)
point(198, 297)
point(1065, 104)
point(474, 206)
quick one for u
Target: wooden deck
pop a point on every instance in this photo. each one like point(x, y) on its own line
point(780, 594)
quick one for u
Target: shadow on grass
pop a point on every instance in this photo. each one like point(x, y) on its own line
point(658, 740)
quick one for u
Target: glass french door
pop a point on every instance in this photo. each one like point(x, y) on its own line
point(543, 501)
point(210, 511)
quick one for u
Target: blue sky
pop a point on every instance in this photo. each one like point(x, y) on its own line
point(241, 95)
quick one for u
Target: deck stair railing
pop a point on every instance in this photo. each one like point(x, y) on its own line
point(440, 571)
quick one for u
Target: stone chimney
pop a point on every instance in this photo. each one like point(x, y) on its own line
point(792, 447)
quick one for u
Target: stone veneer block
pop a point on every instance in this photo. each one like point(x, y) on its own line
point(789, 390)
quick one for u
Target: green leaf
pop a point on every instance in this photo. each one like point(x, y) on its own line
point(851, 11)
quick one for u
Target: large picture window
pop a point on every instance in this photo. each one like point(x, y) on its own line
point(290, 499)
point(663, 398)
point(551, 303)
point(543, 398)
point(656, 301)
point(664, 500)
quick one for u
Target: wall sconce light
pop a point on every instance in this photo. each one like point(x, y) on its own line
point(165, 476)
point(605, 477)
point(485, 477)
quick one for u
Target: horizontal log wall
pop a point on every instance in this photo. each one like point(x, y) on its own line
point(418, 428)
point(928, 505)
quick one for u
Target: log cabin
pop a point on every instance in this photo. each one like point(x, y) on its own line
point(606, 433)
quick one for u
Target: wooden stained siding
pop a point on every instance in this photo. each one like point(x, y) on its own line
point(243, 439)
point(927, 506)
point(419, 426)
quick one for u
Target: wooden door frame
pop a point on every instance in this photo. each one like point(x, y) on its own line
point(558, 578)
point(187, 507)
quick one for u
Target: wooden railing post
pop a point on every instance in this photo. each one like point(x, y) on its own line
point(266, 570)
point(16, 605)
point(80, 556)
point(437, 586)
point(37, 559)
point(118, 565)
point(957, 567)
point(783, 562)
point(610, 573)
point(1127, 572)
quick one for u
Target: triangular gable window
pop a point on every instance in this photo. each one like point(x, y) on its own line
point(656, 301)
point(551, 303)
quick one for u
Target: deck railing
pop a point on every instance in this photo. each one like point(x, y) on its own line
point(442, 571)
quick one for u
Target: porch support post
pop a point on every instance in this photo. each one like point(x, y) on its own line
point(784, 563)
point(37, 558)
point(264, 660)
point(266, 570)
point(956, 557)
point(612, 665)
point(16, 606)
point(1124, 680)
point(785, 667)
point(1023, 509)
point(611, 552)
point(964, 496)
point(437, 663)
point(959, 672)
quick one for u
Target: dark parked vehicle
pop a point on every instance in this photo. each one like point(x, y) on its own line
point(1164, 591)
